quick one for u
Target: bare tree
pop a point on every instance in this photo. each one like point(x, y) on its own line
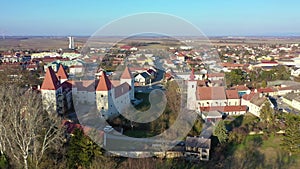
point(26, 131)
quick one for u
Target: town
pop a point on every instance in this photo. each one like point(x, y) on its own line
point(240, 89)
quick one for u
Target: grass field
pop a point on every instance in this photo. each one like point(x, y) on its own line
point(265, 152)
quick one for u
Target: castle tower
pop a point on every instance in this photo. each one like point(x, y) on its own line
point(51, 92)
point(127, 77)
point(104, 96)
point(61, 74)
point(191, 91)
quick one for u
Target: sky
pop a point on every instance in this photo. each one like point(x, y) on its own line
point(212, 17)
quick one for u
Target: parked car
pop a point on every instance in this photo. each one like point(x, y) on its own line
point(108, 129)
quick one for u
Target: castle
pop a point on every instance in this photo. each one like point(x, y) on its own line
point(60, 94)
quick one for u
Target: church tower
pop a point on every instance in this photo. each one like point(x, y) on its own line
point(191, 91)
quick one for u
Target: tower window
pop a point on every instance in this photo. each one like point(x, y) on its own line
point(101, 95)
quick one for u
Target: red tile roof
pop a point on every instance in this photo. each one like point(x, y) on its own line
point(265, 90)
point(233, 65)
point(240, 87)
point(216, 75)
point(126, 47)
point(232, 94)
point(61, 73)
point(126, 74)
point(104, 83)
point(211, 93)
point(50, 81)
point(249, 96)
point(224, 108)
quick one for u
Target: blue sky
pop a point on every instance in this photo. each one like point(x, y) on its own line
point(213, 17)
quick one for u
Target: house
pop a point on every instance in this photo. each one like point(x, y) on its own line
point(211, 115)
point(292, 99)
point(75, 69)
point(216, 76)
point(242, 89)
point(204, 99)
point(268, 91)
point(288, 89)
point(197, 148)
point(254, 102)
point(233, 98)
point(211, 96)
point(295, 72)
point(142, 78)
point(228, 110)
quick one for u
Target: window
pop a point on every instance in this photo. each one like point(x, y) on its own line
point(192, 86)
point(101, 95)
point(102, 108)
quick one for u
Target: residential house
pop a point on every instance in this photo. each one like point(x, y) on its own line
point(142, 78)
point(292, 99)
point(197, 148)
point(254, 102)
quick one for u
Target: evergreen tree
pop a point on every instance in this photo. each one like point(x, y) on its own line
point(81, 150)
point(220, 132)
point(291, 140)
point(267, 114)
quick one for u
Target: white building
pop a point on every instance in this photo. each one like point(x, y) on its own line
point(71, 42)
point(110, 100)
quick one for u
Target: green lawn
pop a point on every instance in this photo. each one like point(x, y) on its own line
point(145, 104)
point(268, 151)
point(138, 133)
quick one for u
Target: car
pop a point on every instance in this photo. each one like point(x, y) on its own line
point(108, 129)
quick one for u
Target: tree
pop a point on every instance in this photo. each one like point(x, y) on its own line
point(26, 131)
point(291, 140)
point(235, 77)
point(82, 150)
point(267, 114)
point(264, 84)
point(220, 132)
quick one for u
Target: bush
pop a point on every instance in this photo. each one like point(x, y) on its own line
point(3, 161)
